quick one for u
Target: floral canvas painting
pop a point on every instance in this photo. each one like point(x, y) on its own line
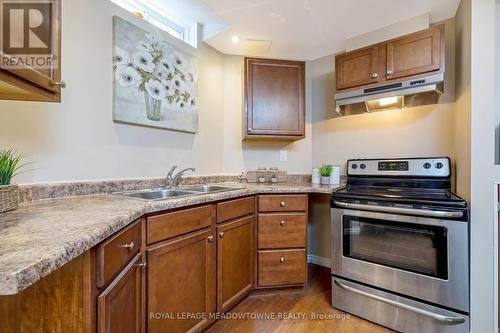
point(155, 82)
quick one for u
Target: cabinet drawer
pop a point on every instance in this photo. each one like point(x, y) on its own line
point(115, 253)
point(282, 230)
point(164, 226)
point(286, 267)
point(283, 203)
point(233, 209)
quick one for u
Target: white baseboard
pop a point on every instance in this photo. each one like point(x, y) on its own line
point(321, 261)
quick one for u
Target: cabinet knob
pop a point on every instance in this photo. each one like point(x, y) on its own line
point(374, 75)
point(283, 223)
point(389, 72)
point(61, 84)
point(282, 204)
point(129, 246)
point(142, 264)
point(210, 239)
point(282, 260)
point(221, 234)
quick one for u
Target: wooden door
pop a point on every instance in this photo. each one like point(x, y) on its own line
point(235, 261)
point(357, 68)
point(48, 73)
point(274, 99)
point(414, 54)
point(121, 306)
point(181, 283)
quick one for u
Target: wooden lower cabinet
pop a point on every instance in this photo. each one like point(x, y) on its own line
point(235, 261)
point(121, 306)
point(181, 283)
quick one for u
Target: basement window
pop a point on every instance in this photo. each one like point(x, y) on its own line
point(154, 15)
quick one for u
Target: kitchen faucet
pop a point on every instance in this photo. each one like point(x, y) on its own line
point(172, 179)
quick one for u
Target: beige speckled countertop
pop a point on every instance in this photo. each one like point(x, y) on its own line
point(41, 236)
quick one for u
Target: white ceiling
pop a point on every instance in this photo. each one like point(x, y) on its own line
point(310, 29)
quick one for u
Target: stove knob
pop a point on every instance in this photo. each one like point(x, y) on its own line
point(427, 165)
point(439, 165)
point(363, 166)
point(354, 166)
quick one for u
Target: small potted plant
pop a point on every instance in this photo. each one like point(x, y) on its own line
point(325, 171)
point(10, 163)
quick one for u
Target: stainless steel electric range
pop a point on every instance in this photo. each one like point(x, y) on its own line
point(400, 246)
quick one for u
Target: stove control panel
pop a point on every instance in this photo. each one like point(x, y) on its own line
point(411, 167)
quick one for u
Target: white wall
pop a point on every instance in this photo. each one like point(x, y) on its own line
point(484, 172)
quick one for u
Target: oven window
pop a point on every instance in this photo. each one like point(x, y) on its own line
point(411, 247)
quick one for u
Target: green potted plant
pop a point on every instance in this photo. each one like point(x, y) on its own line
point(325, 171)
point(10, 163)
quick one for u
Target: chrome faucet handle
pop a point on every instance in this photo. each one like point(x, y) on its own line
point(170, 175)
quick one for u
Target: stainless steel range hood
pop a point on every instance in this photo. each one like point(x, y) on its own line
point(421, 91)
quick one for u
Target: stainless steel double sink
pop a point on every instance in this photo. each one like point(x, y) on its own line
point(166, 193)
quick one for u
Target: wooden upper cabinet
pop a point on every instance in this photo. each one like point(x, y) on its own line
point(38, 77)
point(274, 99)
point(402, 58)
point(357, 68)
point(414, 54)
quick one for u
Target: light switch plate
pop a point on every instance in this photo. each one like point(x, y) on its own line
point(283, 156)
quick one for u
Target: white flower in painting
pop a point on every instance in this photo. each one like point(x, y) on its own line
point(166, 65)
point(155, 89)
point(193, 103)
point(180, 62)
point(144, 61)
point(121, 57)
point(169, 87)
point(165, 76)
point(181, 105)
point(178, 83)
point(127, 76)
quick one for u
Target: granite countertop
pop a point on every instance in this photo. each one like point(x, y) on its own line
point(41, 236)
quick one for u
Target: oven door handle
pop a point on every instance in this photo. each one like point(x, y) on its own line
point(436, 316)
point(401, 210)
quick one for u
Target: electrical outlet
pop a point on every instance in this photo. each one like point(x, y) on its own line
point(283, 156)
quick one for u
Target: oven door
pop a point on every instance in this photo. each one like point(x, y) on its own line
point(421, 257)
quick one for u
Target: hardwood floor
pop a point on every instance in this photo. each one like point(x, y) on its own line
point(301, 303)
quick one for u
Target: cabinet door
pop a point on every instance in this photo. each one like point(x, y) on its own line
point(121, 306)
point(357, 68)
point(415, 54)
point(41, 68)
point(235, 262)
point(274, 98)
point(181, 283)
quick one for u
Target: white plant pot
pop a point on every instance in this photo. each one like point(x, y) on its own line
point(325, 180)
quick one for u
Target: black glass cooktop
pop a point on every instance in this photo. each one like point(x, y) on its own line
point(423, 196)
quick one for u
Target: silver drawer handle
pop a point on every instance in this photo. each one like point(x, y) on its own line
point(282, 260)
point(436, 316)
point(400, 210)
point(374, 75)
point(142, 264)
point(61, 84)
point(282, 204)
point(128, 246)
point(221, 234)
point(283, 223)
point(210, 239)
point(389, 72)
